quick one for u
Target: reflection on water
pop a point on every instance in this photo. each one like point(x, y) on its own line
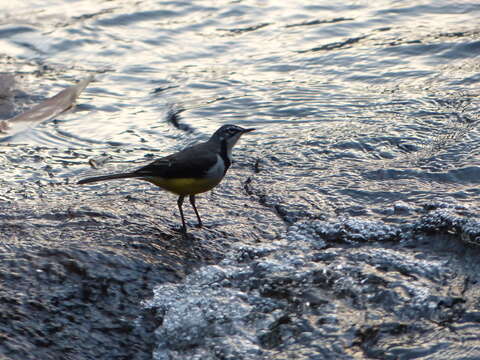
point(246, 62)
point(380, 97)
point(354, 99)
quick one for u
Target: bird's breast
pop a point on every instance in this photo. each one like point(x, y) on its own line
point(217, 171)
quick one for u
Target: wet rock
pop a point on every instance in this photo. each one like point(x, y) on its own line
point(447, 221)
point(73, 282)
point(314, 295)
point(75, 266)
point(75, 302)
point(346, 230)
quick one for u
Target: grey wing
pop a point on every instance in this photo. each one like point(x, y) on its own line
point(189, 163)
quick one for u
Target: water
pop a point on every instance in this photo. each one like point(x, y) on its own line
point(363, 109)
point(364, 102)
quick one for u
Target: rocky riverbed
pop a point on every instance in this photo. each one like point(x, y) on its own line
point(103, 273)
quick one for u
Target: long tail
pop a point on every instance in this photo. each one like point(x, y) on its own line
point(107, 177)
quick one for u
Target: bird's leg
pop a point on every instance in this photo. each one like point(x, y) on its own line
point(192, 201)
point(180, 203)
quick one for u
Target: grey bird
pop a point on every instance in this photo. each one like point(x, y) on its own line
point(191, 171)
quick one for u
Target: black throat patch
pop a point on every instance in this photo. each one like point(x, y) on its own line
point(224, 154)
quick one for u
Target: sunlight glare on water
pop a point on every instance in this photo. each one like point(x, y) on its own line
point(388, 85)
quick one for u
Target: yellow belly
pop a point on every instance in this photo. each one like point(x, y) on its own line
point(184, 186)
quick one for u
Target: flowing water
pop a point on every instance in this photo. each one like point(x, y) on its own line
point(361, 103)
point(364, 109)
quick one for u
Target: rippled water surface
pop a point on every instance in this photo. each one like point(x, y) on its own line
point(362, 102)
point(367, 109)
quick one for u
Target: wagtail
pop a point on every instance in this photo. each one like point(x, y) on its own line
point(192, 171)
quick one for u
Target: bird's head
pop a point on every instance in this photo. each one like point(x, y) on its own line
point(229, 134)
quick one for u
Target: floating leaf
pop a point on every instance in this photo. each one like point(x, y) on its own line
point(46, 110)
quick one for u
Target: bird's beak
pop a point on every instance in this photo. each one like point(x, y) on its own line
point(247, 130)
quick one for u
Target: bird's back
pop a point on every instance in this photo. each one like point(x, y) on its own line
point(191, 171)
point(192, 162)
